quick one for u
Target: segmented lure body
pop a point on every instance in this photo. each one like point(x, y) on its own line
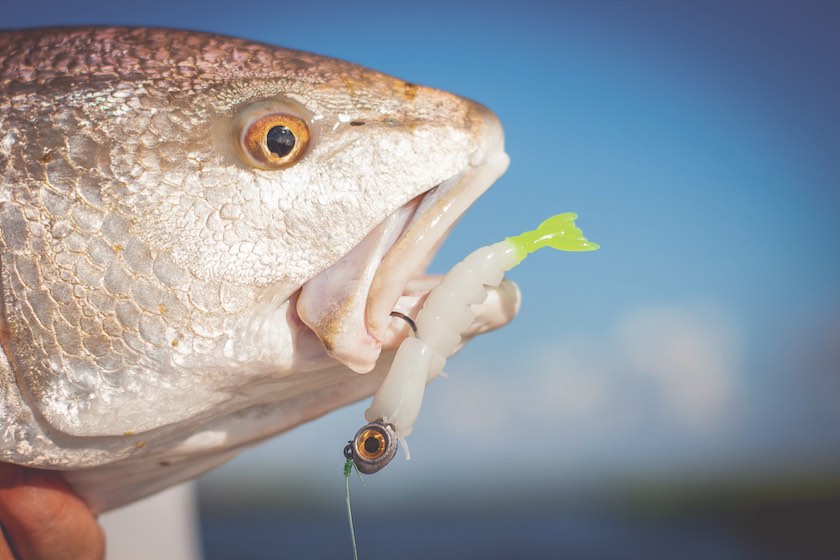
point(444, 316)
point(447, 312)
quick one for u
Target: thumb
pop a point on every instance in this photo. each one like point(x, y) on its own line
point(44, 519)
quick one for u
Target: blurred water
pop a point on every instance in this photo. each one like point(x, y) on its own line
point(486, 539)
point(574, 536)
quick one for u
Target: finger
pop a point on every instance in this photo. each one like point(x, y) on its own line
point(44, 518)
point(5, 552)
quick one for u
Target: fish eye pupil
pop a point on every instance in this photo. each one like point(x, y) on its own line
point(280, 140)
point(371, 445)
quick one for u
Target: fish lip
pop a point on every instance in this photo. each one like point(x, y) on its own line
point(355, 332)
point(439, 210)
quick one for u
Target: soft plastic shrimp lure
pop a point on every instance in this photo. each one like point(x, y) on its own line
point(445, 315)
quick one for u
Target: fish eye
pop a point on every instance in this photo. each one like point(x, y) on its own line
point(271, 134)
point(274, 141)
point(373, 447)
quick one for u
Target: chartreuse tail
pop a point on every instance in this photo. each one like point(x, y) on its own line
point(558, 232)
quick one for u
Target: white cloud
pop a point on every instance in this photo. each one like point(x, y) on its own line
point(659, 370)
point(691, 352)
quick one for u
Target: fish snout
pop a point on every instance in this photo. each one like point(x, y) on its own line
point(489, 135)
point(349, 305)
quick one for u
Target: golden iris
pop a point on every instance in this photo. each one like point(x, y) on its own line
point(370, 444)
point(275, 141)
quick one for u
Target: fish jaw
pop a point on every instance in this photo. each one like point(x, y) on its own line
point(151, 277)
point(182, 257)
point(348, 305)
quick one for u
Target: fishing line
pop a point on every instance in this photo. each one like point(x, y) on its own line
point(349, 466)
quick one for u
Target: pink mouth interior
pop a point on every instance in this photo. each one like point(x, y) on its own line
point(333, 303)
point(348, 305)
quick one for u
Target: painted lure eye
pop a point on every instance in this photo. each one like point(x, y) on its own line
point(273, 141)
point(373, 447)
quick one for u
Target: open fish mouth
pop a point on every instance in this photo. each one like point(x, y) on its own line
point(348, 305)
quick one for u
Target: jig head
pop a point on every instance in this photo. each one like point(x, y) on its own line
point(373, 447)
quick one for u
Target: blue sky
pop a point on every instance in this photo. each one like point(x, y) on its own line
point(699, 146)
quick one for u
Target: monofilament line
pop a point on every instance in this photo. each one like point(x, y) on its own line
point(349, 466)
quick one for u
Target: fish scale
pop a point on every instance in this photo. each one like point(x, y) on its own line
point(152, 275)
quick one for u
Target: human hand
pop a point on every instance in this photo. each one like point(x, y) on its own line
point(43, 519)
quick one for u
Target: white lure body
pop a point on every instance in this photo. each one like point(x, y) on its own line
point(441, 322)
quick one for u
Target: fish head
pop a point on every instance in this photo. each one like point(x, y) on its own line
point(197, 190)
point(196, 226)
